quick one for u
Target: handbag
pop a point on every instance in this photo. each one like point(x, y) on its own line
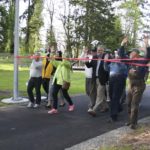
point(66, 85)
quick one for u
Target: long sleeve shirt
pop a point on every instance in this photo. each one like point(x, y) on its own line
point(36, 68)
point(88, 71)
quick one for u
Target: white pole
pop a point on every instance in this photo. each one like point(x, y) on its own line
point(16, 48)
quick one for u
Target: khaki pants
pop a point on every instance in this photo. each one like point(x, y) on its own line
point(101, 97)
point(135, 92)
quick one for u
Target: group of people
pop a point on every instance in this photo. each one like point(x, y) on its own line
point(102, 70)
point(52, 73)
point(112, 70)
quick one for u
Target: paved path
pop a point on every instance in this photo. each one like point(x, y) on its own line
point(29, 129)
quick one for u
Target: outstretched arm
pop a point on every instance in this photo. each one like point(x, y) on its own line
point(121, 51)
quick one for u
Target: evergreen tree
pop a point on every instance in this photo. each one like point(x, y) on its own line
point(97, 21)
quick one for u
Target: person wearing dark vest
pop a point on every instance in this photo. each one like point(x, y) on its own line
point(100, 78)
point(136, 74)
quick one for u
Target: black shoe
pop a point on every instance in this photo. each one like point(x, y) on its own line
point(62, 105)
point(133, 126)
point(120, 110)
point(127, 123)
point(104, 110)
point(111, 120)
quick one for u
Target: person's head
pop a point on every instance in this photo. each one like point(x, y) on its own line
point(37, 56)
point(59, 55)
point(134, 53)
point(100, 49)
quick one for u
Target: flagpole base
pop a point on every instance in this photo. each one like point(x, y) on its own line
point(14, 101)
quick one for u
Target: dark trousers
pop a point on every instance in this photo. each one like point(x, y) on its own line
point(116, 86)
point(34, 83)
point(45, 83)
point(56, 88)
point(135, 92)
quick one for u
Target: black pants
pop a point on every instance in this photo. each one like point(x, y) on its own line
point(116, 86)
point(45, 83)
point(56, 88)
point(34, 83)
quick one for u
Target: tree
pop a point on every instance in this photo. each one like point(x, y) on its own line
point(3, 28)
point(132, 19)
point(97, 21)
point(51, 40)
point(10, 24)
point(34, 23)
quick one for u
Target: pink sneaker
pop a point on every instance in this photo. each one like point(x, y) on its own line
point(53, 111)
point(71, 107)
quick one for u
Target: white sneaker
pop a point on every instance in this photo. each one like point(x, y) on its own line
point(30, 105)
point(36, 106)
point(89, 110)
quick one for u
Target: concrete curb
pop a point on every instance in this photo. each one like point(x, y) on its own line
point(106, 139)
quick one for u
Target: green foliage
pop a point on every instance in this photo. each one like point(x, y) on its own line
point(96, 21)
point(3, 28)
point(132, 19)
point(34, 23)
point(10, 24)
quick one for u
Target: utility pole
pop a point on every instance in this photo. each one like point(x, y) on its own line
point(16, 48)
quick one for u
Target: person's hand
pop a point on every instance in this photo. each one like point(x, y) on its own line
point(124, 41)
point(146, 38)
point(86, 60)
point(106, 56)
point(132, 71)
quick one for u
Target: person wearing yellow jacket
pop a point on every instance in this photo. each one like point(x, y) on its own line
point(62, 74)
point(47, 69)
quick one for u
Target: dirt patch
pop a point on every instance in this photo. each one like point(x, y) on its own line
point(138, 140)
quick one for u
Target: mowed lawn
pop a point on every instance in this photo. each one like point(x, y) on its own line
point(6, 80)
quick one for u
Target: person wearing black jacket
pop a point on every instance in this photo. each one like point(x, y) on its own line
point(100, 78)
point(136, 75)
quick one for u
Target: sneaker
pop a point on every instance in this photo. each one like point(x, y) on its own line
point(30, 105)
point(53, 111)
point(89, 110)
point(92, 113)
point(62, 105)
point(71, 108)
point(133, 126)
point(48, 106)
point(36, 106)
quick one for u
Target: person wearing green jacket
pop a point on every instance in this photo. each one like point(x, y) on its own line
point(61, 75)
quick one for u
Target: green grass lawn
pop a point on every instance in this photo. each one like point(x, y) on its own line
point(6, 81)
